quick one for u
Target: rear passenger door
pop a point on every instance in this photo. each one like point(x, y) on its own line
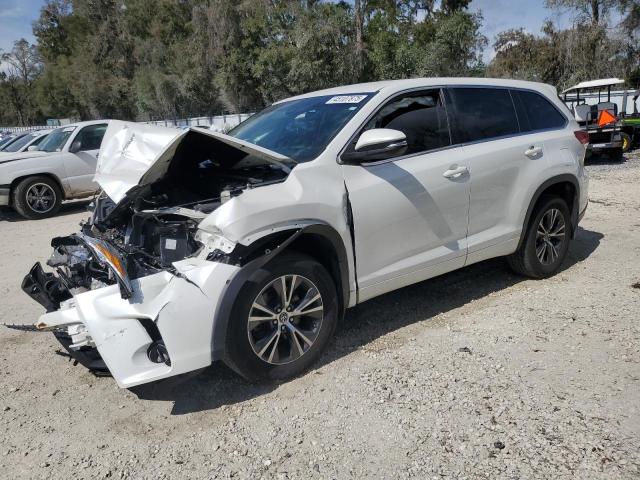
point(505, 158)
point(82, 158)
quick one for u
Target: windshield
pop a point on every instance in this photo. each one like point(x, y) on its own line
point(56, 140)
point(19, 143)
point(300, 129)
point(12, 141)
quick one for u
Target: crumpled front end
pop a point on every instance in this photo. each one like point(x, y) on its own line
point(137, 292)
point(165, 329)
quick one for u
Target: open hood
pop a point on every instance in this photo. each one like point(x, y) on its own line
point(134, 154)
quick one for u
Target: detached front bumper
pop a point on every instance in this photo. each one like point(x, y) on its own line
point(176, 313)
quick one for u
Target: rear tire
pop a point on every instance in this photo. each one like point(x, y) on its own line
point(626, 142)
point(37, 197)
point(546, 240)
point(286, 333)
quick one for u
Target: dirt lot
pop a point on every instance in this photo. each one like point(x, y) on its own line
point(476, 374)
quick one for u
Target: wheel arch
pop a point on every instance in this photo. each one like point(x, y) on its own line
point(14, 183)
point(318, 240)
point(565, 186)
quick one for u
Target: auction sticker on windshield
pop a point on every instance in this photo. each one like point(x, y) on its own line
point(346, 99)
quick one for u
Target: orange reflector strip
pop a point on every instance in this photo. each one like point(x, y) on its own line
point(605, 118)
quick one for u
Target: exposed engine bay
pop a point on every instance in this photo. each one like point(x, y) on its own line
point(137, 291)
point(155, 224)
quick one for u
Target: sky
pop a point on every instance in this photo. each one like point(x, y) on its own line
point(501, 15)
point(16, 17)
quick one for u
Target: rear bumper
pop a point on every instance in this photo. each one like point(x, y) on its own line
point(175, 311)
point(604, 146)
point(4, 196)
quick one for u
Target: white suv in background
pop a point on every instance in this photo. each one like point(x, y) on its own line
point(248, 247)
point(35, 183)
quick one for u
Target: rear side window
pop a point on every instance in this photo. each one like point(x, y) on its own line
point(536, 112)
point(420, 116)
point(482, 113)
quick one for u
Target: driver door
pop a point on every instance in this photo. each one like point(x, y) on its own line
point(410, 213)
point(82, 157)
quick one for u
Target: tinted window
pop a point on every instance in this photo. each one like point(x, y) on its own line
point(91, 137)
point(420, 116)
point(482, 113)
point(536, 112)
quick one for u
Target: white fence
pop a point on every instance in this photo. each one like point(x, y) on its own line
point(219, 123)
point(23, 129)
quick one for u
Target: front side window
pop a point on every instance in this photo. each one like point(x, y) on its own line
point(482, 113)
point(55, 140)
point(420, 116)
point(90, 137)
point(536, 112)
point(300, 129)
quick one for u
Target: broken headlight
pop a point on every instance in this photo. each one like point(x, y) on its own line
point(108, 255)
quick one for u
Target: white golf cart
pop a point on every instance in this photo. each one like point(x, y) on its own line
point(592, 105)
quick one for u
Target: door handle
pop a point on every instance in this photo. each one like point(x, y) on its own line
point(533, 152)
point(455, 172)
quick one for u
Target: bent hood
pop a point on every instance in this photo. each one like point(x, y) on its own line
point(12, 156)
point(136, 154)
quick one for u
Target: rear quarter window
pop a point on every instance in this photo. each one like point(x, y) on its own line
point(535, 112)
point(482, 113)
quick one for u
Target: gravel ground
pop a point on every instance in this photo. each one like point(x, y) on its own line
point(475, 374)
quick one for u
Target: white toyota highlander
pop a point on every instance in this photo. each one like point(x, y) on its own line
point(248, 247)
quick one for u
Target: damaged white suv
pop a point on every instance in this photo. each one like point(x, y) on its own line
point(249, 247)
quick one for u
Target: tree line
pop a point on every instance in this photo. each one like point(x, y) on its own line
point(150, 59)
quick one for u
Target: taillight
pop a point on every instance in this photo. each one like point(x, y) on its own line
point(582, 136)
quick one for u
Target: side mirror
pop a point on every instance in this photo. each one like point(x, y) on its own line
point(377, 144)
point(75, 146)
point(32, 148)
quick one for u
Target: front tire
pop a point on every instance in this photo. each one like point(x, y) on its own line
point(546, 241)
point(37, 197)
point(282, 320)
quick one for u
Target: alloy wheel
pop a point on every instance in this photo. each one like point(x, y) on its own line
point(550, 236)
point(285, 319)
point(41, 198)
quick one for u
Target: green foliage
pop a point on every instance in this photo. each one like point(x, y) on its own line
point(589, 49)
point(145, 59)
point(148, 59)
